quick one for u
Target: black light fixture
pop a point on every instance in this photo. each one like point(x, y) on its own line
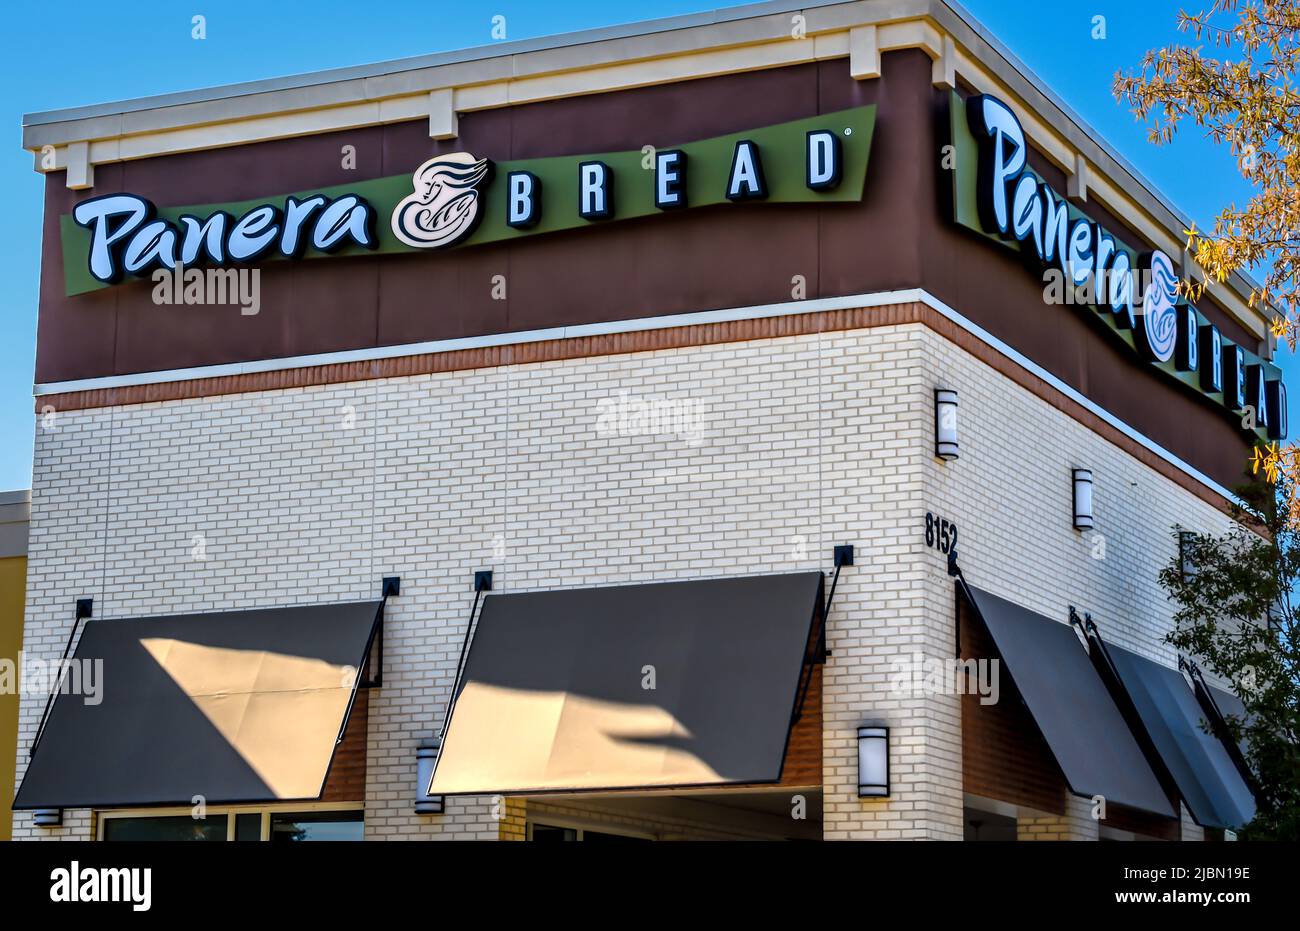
point(48, 817)
point(425, 756)
point(873, 761)
point(945, 423)
point(1083, 519)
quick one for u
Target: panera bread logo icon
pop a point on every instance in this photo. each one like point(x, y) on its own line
point(1160, 306)
point(444, 207)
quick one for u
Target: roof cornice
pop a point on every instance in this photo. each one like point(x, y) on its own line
point(441, 86)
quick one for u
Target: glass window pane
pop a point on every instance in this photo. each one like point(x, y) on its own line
point(311, 826)
point(549, 832)
point(248, 826)
point(178, 827)
point(600, 837)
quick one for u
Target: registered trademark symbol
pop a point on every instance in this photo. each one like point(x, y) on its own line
point(848, 130)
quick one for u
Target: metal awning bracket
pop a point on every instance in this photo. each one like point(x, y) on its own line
point(843, 555)
point(390, 587)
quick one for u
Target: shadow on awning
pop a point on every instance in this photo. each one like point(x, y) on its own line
point(1206, 776)
point(1070, 705)
point(1228, 705)
point(635, 686)
point(243, 706)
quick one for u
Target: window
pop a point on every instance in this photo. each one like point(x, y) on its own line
point(556, 832)
point(248, 826)
point(549, 832)
point(336, 826)
point(318, 822)
point(171, 828)
point(604, 837)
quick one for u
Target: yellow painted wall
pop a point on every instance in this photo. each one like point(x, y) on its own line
point(13, 584)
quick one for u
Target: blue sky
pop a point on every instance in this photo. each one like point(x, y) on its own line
point(91, 52)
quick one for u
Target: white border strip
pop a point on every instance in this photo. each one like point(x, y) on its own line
point(641, 324)
point(1035, 369)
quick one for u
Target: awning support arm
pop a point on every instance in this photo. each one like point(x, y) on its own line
point(1094, 636)
point(482, 583)
point(1109, 672)
point(85, 608)
point(1119, 693)
point(1218, 723)
point(843, 557)
point(954, 571)
point(390, 587)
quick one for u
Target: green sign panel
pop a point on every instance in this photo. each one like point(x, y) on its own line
point(1133, 294)
point(459, 201)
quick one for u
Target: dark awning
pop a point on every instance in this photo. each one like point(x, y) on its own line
point(1231, 706)
point(1071, 706)
point(243, 706)
point(554, 697)
point(1205, 774)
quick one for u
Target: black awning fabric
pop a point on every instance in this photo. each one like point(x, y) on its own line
point(1207, 778)
point(244, 706)
point(1231, 706)
point(556, 696)
point(1071, 706)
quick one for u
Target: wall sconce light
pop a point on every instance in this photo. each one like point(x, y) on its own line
point(873, 761)
point(425, 756)
point(48, 817)
point(945, 423)
point(1083, 499)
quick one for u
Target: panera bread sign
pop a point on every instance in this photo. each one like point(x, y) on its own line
point(459, 200)
point(1132, 294)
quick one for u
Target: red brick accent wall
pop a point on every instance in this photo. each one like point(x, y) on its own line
point(1004, 756)
point(1140, 822)
point(346, 781)
point(803, 754)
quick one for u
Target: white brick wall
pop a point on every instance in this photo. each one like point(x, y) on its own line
point(1010, 493)
point(312, 495)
